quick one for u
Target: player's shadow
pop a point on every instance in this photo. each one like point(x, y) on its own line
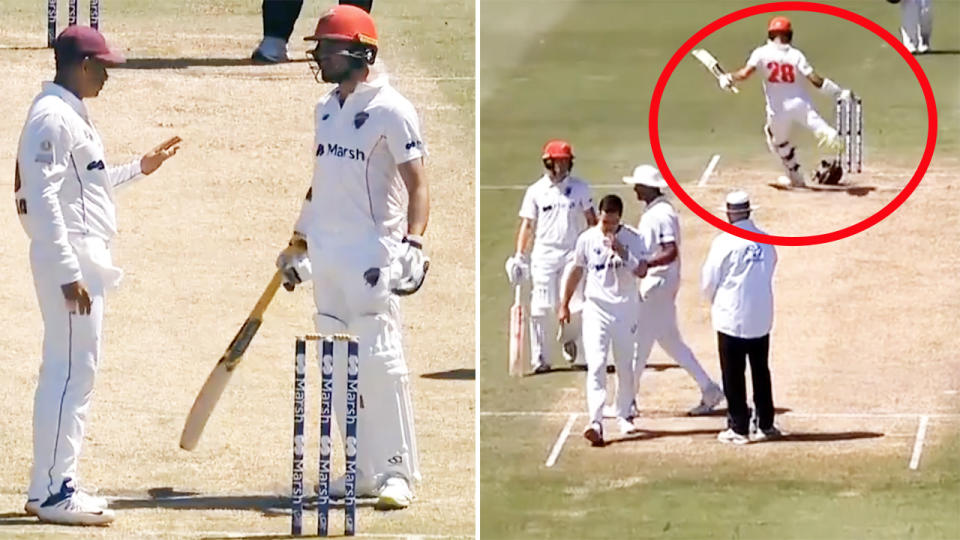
point(852, 190)
point(10, 519)
point(169, 498)
point(828, 436)
point(461, 374)
point(182, 63)
point(938, 52)
point(610, 369)
point(722, 411)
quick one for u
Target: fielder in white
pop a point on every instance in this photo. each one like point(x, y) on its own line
point(360, 236)
point(916, 25)
point(65, 200)
point(555, 210)
point(784, 69)
point(660, 228)
point(612, 256)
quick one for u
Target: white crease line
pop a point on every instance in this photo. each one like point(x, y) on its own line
point(67, 531)
point(797, 414)
point(918, 444)
point(558, 446)
point(705, 177)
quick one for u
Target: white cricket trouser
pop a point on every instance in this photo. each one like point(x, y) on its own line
point(795, 111)
point(606, 329)
point(916, 24)
point(351, 292)
point(658, 323)
point(546, 276)
point(71, 355)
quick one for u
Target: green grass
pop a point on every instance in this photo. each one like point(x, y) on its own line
point(585, 70)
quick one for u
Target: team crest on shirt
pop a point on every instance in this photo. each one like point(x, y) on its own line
point(325, 116)
point(568, 191)
point(359, 119)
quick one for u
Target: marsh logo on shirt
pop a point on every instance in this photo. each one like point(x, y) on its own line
point(96, 165)
point(336, 150)
point(753, 253)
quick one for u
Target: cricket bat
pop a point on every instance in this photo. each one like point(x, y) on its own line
point(712, 65)
point(516, 335)
point(217, 381)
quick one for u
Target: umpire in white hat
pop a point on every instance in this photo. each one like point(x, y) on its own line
point(737, 278)
point(660, 228)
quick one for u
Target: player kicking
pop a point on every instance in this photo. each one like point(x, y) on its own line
point(787, 100)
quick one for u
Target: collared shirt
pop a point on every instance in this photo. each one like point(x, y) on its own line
point(737, 278)
point(784, 70)
point(63, 187)
point(357, 193)
point(658, 225)
point(609, 277)
point(558, 212)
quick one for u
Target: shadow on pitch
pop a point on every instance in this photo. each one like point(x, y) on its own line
point(10, 519)
point(268, 504)
point(723, 411)
point(610, 369)
point(182, 63)
point(825, 436)
point(461, 374)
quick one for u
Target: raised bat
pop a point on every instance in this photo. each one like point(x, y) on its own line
point(217, 381)
point(516, 335)
point(712, 65)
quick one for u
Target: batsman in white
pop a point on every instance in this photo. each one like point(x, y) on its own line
point(784, 68)
point(612, 256)
point(360, 236)
point(916, 25)
point(660, 227)
point(555, 210)
point(65, 200)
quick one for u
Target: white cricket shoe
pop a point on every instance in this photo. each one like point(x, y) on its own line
point(626, 426)
point(796, 178)
point(594, 433)
point(32, 506)
point(272, 50)
point(765, 435)
point(394, 495)
point(74, 510)
point(729, 436)
point(708, 401)
point(364, 488)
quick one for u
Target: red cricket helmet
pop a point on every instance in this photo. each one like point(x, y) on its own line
point(346, 23)
point(557, 149)
point(779, 24)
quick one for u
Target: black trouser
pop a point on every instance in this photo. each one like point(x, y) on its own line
point(733, 362)
point(279, 16)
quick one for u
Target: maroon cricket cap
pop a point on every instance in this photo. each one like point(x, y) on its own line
point(78, 42)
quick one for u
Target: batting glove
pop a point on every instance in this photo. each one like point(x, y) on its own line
point(409, 269)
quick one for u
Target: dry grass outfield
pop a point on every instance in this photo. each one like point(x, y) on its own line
point(198, 240)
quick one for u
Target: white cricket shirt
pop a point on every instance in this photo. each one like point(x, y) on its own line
point(609, 278)
point(737, 278)
point(357, 193)
point(558, 212)
point(660, 224)
point(784, 70)
point(63, 187)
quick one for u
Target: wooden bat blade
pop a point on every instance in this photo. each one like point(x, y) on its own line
point(217, 381)
point(516, 339)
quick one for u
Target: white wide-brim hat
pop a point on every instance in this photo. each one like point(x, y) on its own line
point(646, 175)
point(738, 201)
